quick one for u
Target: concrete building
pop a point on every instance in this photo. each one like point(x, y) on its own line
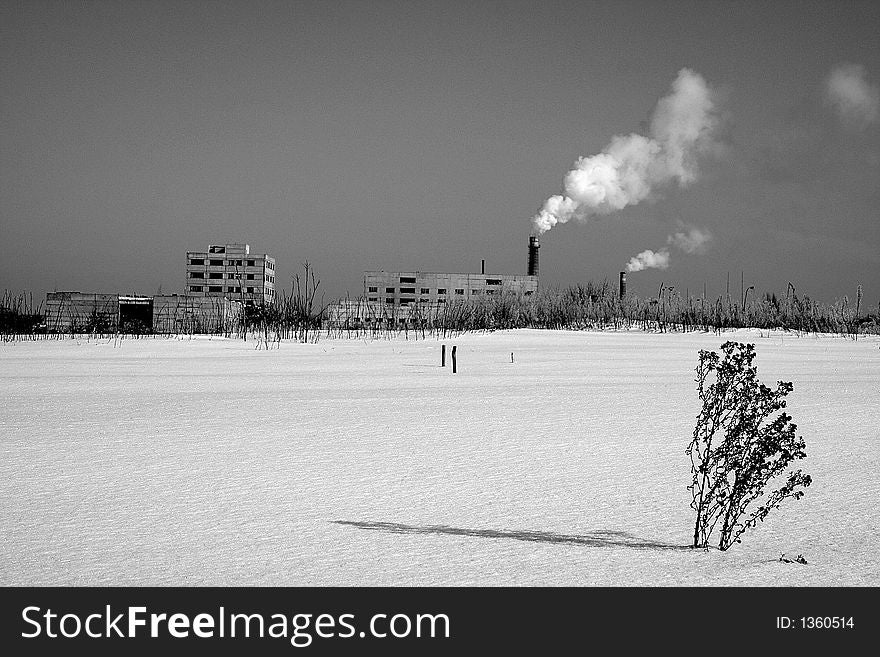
point(191, 315)
point(76, 312)
point(402, 289)
point(230, 270)
point(406, 288)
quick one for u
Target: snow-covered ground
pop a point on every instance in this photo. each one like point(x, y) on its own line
point(205, 461)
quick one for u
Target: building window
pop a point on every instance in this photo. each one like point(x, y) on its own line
point(251, 263)
point(250, 277)
point(231, 276)
point(371, 299)
point(389, 290)
point(405, 301)
point(195, 288)
point(425, 290)
point(372, 289)
point(215, 274)
point(441, 300)
point(389, 299)
point(476, 291)
point(217, 249)
point(215, 288)
point(232, 289)
point(197, 261)
point(215, 263)
point(441, 290)
point(250, 290)
point(491, 291)
point(407, 279)
point(407, 290)
point(459, 290)
point(196, 274)
point(493, 281)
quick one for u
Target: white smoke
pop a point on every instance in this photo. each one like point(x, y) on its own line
point(856, 101)
point(633, 167)
point(649, 259)
point(695, 240)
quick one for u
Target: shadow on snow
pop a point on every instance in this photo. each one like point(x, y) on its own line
point(596, 538)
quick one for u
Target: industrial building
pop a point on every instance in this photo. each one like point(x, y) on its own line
point(230, 270)
point(402, 289)
point(77, 312)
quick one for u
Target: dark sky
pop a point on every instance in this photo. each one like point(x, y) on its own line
point(425, 135)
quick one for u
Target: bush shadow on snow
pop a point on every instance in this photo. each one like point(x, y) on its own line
point(596, 538)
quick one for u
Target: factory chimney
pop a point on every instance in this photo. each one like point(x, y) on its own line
point(483, 266)
point(534, 245)
point(622, 284)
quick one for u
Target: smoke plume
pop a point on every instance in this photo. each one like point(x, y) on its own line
point(856, 101)
point(648, 259)
point(632, 168)
point(694, 240)
point(690, 240)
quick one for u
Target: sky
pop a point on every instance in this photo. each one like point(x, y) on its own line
point(428, 136)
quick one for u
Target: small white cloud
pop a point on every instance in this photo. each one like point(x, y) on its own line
point(856, 101)
point(694, 240)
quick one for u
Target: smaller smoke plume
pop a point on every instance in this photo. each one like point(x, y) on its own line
point(695, 240)
point(689, 240)
point(649, 259)
point(856, 101)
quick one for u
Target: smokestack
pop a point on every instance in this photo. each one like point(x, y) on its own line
point(534, 245)
point(482, 266)
point(622, 284)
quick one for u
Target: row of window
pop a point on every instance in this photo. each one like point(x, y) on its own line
point(411, 279)
point(231, 263)
point(412, 290)
point(217, 274)
point(404, 301)
point(231, 277)
point(407, 300)
point(425, 290)
point(219, 288)
point(226, 263)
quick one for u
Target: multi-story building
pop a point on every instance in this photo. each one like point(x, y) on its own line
point(231, 270)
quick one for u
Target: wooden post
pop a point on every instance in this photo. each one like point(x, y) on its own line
point(453, 359)
point(443, 356)
point(511, 356)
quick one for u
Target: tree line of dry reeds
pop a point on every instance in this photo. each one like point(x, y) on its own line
point(301, 314)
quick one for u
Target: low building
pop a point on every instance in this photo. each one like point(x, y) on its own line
point(77, 312)
point(186, 314)
point(402, 289)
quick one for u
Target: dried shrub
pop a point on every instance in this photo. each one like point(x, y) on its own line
point(739, 445)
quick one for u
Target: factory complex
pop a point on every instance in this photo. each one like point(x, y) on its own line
point(224, 281)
